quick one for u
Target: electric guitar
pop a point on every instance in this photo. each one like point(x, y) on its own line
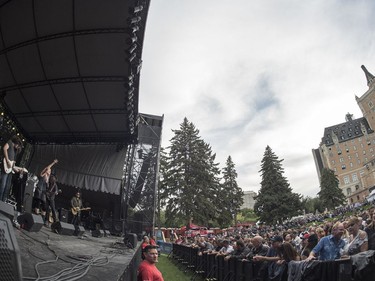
point(12, 168)
point(75, 210)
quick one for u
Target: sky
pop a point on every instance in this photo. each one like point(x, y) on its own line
point(252, 73)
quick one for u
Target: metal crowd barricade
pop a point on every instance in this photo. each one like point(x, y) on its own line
point(216, 268)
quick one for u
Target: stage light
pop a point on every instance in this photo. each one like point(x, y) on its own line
point(132, 57)
point(134, 29)
point(134, 20)
point(132, 48)
point(132, 40)
point(138, 9)
point(131, 93)
point(139, 66)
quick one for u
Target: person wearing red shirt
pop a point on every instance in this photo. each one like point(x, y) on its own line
point(147, 270)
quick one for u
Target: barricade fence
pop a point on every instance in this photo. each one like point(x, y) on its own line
point(212, 267)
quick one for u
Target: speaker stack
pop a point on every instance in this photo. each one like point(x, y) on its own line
point(10, 258)
point(63, 228)
point(7, 210)
point(30, 222)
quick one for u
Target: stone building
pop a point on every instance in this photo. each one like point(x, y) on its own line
point(349, 148)
point(248, 200)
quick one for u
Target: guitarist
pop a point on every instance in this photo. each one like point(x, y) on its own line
point(76, 205)
point(10, 150)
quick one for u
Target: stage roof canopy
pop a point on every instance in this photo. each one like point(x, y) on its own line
point(69, 70)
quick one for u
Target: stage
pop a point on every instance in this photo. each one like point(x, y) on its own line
point(47, 254)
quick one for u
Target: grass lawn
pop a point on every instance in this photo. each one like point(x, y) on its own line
point(171, 272)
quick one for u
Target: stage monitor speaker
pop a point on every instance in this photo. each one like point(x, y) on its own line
point(79, 230)
point(97, 233)
point(7, 210)
point(10, 258)
point(131, 240)
point(30, 222)
point(63, 228)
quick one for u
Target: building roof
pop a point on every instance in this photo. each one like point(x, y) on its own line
point(70, 70)
point(343, 132)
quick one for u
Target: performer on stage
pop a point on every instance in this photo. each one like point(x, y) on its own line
point(76, 205)
point(39, 204)
point(52, 191)
point(10, 151)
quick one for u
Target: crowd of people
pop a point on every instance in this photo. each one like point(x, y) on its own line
point(338, 235)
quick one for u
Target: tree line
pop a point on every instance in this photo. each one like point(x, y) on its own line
point(193, 187)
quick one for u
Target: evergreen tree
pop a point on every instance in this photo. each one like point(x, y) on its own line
point(275, 201)
point(231, 195)
point(190, 180)
point(330, 194)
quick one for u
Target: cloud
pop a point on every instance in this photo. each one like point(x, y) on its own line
point(254, 73)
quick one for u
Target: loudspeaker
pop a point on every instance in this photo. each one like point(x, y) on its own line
point(10, 265)
point(97, 233)
point(63, 228)
point(79, 230)
point(131, 239)
point(7, 210)
point(64, 215)
point(30, 222)
point(116, 227)
point(28, 196)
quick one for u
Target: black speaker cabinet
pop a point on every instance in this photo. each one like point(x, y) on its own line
point(7, 210)
point(28, 196)
point(30, 222)
point(64, 215)
point(63, 228)
point(131, 240)
point(79, 230)
point(10, 259)
point(97, 233)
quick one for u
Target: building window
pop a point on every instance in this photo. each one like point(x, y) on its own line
point(356, 187)
point(343, 166)
point(364, 152)
point(351, 164)
point(346, 180)
point(370, 104)
point(354, 147)
point(333, 162)
point(349, 191)
point(356, 154)
point(349, 157)
point(359, 139)
point(361, 173)
point(362, 145)
point(339, 152)
point(354, 177)
point(341, 159)
point(347, 149)
point(335, 169)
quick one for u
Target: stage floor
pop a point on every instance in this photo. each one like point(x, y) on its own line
point(45, 253)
